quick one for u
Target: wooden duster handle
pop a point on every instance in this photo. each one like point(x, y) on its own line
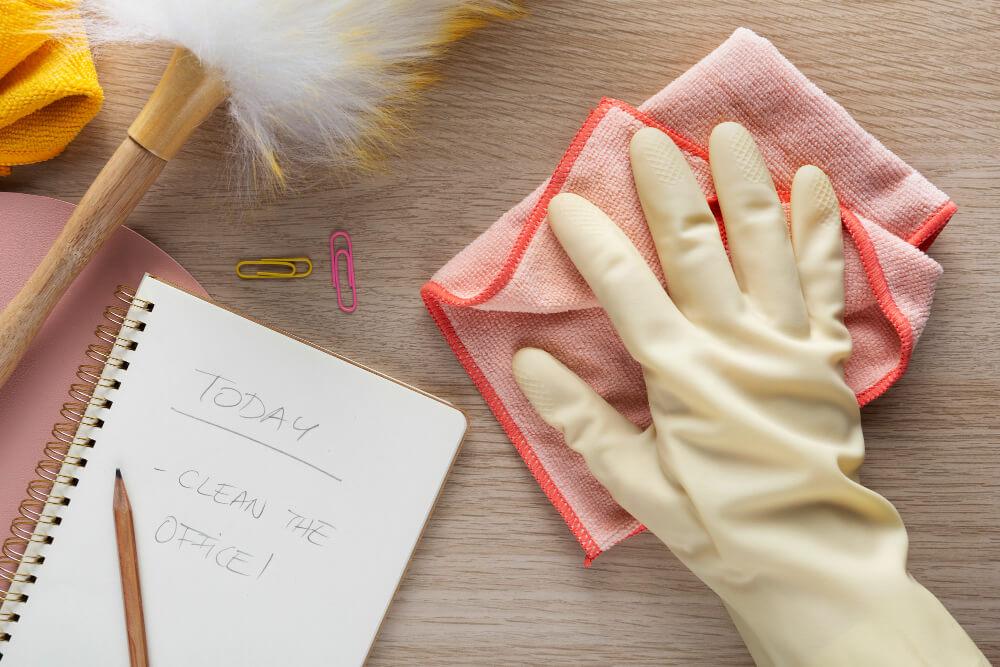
point(185, 97)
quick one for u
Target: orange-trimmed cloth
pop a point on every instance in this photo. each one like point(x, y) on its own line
point(48, 86)
point(514, 286)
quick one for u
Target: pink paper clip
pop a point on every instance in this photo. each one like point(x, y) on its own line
point(347, 252)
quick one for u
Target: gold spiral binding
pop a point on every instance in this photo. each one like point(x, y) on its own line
point(102, 354)
point(59, 451)
point(66, 434)
point(23, 530)
point(105, 333)
point(9, 551)
point(64, 455)
point(9, 572)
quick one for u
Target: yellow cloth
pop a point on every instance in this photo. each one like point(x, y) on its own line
point(48, 87)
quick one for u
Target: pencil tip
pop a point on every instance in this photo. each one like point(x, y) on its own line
point(118, 473)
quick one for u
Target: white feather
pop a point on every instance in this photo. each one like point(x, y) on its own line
point(310, 80)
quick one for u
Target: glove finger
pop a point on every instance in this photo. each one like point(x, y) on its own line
point(569, 405)
point(637, 304)
point(700, 279)
point(622, 457)
point(819, 251)
point(756, 229)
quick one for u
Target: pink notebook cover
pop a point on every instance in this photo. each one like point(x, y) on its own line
point(31, 399)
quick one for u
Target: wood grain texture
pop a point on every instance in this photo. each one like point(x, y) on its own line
point(497, 578)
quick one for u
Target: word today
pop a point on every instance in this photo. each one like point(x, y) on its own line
point(225, 393)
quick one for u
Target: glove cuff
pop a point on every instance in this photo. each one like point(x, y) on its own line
point(907, 628)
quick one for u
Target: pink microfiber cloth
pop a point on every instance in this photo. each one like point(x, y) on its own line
point(514, 286)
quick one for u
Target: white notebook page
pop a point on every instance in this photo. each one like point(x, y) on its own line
point(278, 492)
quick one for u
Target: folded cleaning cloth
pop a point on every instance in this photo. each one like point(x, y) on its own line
point(48, 86)
point(514, 286)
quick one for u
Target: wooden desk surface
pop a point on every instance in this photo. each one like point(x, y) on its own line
point(497, 578)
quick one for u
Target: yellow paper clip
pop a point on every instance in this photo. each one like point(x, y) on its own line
point(291, 265)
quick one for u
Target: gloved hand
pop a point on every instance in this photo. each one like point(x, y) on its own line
point(748, 470)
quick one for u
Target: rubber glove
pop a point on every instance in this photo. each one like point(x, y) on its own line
point(748, 470)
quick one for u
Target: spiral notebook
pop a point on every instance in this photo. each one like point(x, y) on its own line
point(278, 492)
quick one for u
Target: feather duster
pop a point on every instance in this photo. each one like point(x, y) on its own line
point(312, 85)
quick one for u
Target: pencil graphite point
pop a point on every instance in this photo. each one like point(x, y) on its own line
point(121, 503)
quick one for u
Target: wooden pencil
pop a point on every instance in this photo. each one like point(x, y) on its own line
point(128, 562)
